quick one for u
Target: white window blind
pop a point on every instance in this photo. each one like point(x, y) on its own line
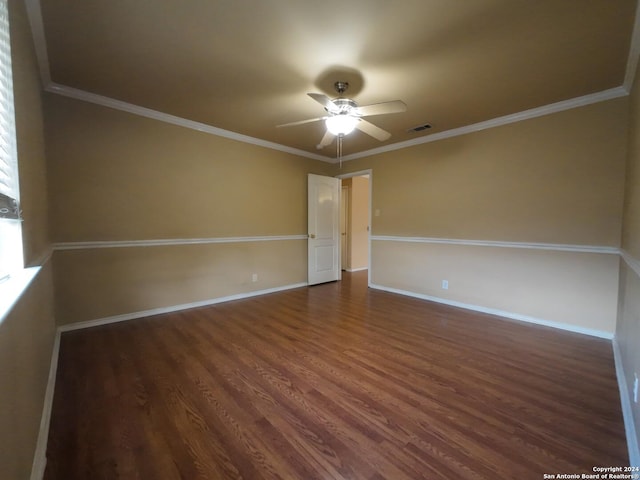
point(10, 227)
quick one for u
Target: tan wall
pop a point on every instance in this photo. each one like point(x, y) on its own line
point(98, 283)
point(631, 225)
point(359, 222)
point(556, 179)
point(628, 327)
point(30, 137)
point(628, 332)
point(571, 288)
point(117, 176)
point(27, 333)
point(26, 342)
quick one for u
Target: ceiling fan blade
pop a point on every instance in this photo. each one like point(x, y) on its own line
point(325, 101)
point(326, 140)
point(372, 130)
point(395, 106)
point(301, 122)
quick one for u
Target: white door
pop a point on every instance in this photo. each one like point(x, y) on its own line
point(324, 229)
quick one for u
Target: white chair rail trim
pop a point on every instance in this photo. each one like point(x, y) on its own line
point(170, 241)
point(492, 243)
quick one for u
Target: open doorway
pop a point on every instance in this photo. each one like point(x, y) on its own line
point(355, 221)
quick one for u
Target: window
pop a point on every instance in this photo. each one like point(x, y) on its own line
point(11, 260)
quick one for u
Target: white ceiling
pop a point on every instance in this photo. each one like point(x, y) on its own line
point(241, 67)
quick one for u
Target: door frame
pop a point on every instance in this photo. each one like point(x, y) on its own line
point(361, 173)
point(346, 217)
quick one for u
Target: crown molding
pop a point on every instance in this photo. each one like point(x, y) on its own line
point(172, 119)
point(634, 53)
point(34, 13)
point(202, 127)
point(498, 122)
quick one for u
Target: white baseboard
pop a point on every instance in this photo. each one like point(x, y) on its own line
point(174, 308)
point(501, 313)
point(351, 270)
point(627, 412)
point(40, 455)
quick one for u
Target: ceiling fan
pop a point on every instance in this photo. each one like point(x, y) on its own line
point(344, 115)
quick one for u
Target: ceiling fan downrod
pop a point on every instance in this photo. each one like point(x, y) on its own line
point(341, 87)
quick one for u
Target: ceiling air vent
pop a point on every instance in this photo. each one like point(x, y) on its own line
point(419, 128)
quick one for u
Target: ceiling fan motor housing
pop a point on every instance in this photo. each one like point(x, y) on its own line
point(345, 106)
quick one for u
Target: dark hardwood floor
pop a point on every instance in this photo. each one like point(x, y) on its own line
point(332, 382)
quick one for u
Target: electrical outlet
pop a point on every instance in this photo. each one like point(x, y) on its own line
point(254, 277)
point(635, 388)
point(445, 284)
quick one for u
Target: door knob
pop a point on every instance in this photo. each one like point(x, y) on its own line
point(312, 235)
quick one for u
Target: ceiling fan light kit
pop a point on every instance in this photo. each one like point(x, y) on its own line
point(344, 116)
point(342, 124)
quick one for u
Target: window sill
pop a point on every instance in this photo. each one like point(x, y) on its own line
point(12, 289)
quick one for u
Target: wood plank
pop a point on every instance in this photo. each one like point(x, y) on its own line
point(332, 381)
